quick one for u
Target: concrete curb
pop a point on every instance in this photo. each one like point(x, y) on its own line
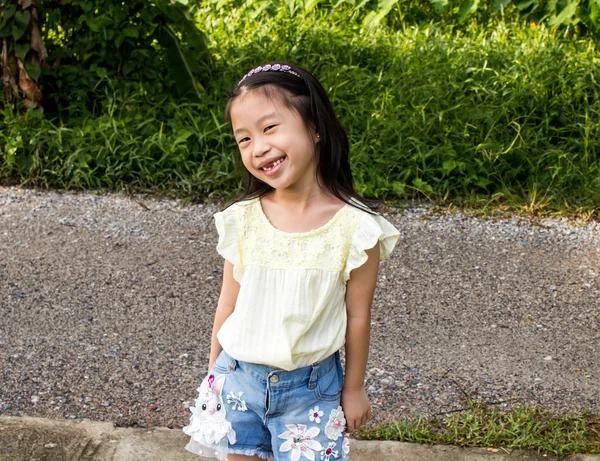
point(39, 439)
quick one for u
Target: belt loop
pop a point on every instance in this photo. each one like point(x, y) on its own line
point(314, 374)
point(233, 364)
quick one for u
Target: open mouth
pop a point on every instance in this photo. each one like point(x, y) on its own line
point(272, 166)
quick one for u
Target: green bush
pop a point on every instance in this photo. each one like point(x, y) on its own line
point(582, 16)
point(163, 148)
point(503, 110)
point(152, 43)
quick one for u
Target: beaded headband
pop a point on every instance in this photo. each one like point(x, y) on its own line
point(269, 67)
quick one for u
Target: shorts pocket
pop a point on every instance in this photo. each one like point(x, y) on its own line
point(224, 364)
point(329, 385)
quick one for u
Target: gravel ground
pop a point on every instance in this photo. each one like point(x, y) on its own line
point(106, 307)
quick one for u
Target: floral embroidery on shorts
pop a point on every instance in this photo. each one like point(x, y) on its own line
point(300, 441)
point(315, 415)
point(345, 449)
point(336, 425)
point(238, 403)
point(328, 452)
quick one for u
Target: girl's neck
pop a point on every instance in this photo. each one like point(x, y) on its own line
point(298, 213)
point(300, 200)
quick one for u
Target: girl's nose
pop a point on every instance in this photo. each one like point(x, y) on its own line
point(260, 147)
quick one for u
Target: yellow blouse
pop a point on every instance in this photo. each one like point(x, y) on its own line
point(291, 308)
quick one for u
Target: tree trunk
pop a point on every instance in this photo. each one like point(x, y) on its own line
point(23, 52)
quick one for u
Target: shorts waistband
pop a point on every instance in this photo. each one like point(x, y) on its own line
point(298, 377)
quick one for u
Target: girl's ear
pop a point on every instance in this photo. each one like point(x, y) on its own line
point(312, 132)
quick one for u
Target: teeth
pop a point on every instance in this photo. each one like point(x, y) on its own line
point(273, 165)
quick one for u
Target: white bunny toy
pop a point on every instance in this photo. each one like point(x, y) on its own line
point(208, 425)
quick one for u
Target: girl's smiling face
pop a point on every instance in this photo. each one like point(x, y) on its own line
point(274, 141)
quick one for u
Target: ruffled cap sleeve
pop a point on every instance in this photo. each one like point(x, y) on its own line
point(370, 230)
point(228, 245)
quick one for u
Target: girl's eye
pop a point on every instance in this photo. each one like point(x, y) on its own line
point(269, 127)
point(243, 140)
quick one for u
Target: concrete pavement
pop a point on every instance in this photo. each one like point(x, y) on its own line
point(40, 439)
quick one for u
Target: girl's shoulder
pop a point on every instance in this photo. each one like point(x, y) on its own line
point(229, 220)
point(237, 207)
point(371, 228)
point(247, 202)
point(359, 208)
point(361, 214)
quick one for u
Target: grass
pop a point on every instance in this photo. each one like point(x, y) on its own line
point(480, 426)
point(494, 115)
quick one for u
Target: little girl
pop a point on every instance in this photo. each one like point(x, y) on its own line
point(301, 259)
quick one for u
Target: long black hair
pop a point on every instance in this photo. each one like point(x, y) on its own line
point(300, 91)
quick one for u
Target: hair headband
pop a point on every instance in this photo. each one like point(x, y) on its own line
point(269, 67)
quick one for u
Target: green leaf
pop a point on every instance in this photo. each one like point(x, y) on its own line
point(467, 7)
point(176, 13)
point(17, 32)
point(448, 165)
point(22, 50)
point(147, 17)
point(20, 25)
point(439, 5)
point(190, 33)
point(501, 4)
point(34, 70)
point(22, 18)
point(310, 4)
point(524, 4)
point(398, 187)
point(595, 13)
point(177, 64)
point(99, 71)
point(192, 61)
point(422, 185)
point(182, 135)
point(9, 12)
point(131, 32)
point(129, 67)
point(6, 31)
point(483, 182)
point(195, 38)
point(93, 24)
point(375, 17)
point(565, 15)
point(551, 7)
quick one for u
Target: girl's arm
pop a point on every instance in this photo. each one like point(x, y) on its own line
point(359, 296)
point(225, 306)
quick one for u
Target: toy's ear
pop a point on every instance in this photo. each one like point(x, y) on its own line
point(218, 385)
point(206, 384)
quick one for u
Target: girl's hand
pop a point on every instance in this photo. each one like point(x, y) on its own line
point(357, 408)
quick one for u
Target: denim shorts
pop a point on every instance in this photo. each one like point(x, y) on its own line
point(252, 409)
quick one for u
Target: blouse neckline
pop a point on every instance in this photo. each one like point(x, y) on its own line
point(322, 228)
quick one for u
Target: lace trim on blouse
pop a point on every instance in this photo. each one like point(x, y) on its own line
point(246, 237)
point(262, 244)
